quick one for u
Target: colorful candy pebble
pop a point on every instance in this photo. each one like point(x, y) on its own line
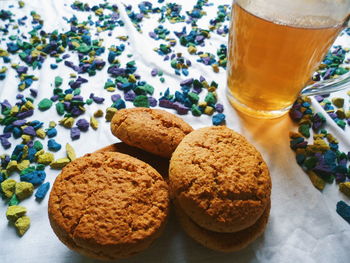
point(14, 212)
point(42, 190)
point(22, 224)
point(8, 187)
point(24, 190)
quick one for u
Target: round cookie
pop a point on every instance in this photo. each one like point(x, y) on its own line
point(152, 130)
point(219, 179)
point(224, 242)
point(108, 205)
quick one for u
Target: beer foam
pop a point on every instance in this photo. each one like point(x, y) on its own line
point(299, 13)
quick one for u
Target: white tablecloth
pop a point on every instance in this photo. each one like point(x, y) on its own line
point(303, 225)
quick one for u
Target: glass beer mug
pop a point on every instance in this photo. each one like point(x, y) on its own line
point(274, 48)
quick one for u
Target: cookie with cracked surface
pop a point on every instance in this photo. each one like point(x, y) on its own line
point(155, 131)
point(219, 179)
point(161, 164)
point(223, 242)
point(108, 205)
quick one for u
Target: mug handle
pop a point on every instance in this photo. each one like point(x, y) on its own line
point(327, 86)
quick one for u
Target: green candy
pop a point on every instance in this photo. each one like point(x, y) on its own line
point(304, 129)
point(60, 108)
point(194, 98)
point(210, 98)
point(45, 104)
point(195, 110)
point(141, 101)
point(13, 201)
point(58, 81)
point(38, 145)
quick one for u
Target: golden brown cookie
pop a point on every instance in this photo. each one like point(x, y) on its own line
point(224, 242)
point(152, 130)
point(108, 205)
point(161, 164)
point(219, 179)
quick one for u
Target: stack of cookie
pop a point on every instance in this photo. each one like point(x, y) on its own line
point(221, 188)
point(110, 205)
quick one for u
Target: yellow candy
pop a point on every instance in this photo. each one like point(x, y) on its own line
point(24, 190)
point(26, 138)
point(23, 165)
point(8, 187)
point(46, 158)
point(110, 113)
point(40, 133)
point(345, 188)
point(70, 152)
point(98, 113)
point(209, 110)
point(14, 212)
point(59, 163)
point(22, 224)
point(11, 166)
point(93, 123)
point(317, 181)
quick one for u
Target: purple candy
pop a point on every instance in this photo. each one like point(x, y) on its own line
point(115, 97)
point(83, 124)
point(78, 97)
point(219, 108)
point(5, 104)
point(65, 56)
point(6, 135)
point(67, 105)
point(19, 122)
point(129, 96)
point(5, 143)
point(154, 72)
point(75, 133)
point(116, 71)
point(166, 104)
point(201, 79)
point(29, 130)
point(21, 69)
point(180, 108)
point(33, 92)
point(319, 98)
point(30, 143)
point(296, 115)
point(54, 98)
point(186, 82)
point(152, 101)
point(152, 35)
point(75, 111)
point(69, 64)
point(98, 100)
point(25, 114)
point(333, 115)
point(19, 96)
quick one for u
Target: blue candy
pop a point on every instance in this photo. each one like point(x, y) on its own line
point(53, 145)
point(219, 119)
point(31, 154)
point(343, 210)
point(42, 190)
point(35, 177)
point(17, 132)
point(52, 132)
